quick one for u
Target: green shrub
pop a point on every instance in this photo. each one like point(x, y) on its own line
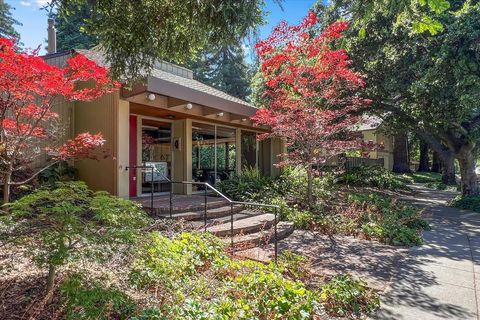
point(162, 260)
point(59, 172)
point(85, 300)
point(373, 176)
point(440, 186)
point(70, 221)
point(388, 220)
point(344, 296)
point(296, 266)
point(195, 279)
point(466, 203)
point(291, 186)
point(426, 177)
point(250, 185)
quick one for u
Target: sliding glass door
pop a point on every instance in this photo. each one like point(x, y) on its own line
point(213, 153)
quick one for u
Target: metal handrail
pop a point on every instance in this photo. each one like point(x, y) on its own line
point(230, 201)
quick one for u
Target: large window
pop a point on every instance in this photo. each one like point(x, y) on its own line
point(213, 153)
point(249, 149)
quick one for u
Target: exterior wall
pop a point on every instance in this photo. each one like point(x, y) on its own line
point(278, 147)
point(387, 141)
point(182, 157)
point(123, 132)
point(100, 115)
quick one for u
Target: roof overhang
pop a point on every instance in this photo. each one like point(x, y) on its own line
point(170, 89)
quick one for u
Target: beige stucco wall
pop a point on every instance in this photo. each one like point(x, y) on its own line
point(96, 116)
point(386, 152)
point(123, 130)
point(182, 159)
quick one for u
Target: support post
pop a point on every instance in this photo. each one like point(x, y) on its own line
point(151, 193)
point(231, 226)
point(275, 236)
point(170, 200)
point(205, 208)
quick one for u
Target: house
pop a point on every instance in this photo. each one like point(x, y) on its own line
point(186, 130)
point(373, 130)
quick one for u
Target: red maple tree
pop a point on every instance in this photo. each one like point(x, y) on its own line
point(29, 125)
point(311, 95)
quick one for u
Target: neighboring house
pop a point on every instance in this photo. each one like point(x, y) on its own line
point(372, 131)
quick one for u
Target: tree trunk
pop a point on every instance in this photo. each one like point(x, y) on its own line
point(50, 278)
point(6, 187)
point(448, 170)
point(424, 165)
point(436, 164)
point(469, 183)
point(400, 153)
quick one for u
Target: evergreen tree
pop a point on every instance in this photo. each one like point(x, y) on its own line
point(223, 67)
point(70, 23)
point(7, 22)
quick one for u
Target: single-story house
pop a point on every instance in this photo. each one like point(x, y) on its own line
point(187, 130)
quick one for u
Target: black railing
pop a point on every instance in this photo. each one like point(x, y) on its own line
point(231, 202)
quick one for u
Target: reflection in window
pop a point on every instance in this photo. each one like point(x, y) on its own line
point(213, 153)
point(249, 149)
point(156, 152)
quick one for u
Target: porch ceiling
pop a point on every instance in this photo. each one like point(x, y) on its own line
point(196, 113)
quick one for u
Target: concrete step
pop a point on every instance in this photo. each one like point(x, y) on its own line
point(263, 237)
point(243, 226)
point(199, 224)
point(177, 208)
point(212, 213)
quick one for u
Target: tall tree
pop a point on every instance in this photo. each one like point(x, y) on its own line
point(435, 86)
point(223, 67)
point(136, 34)
point(28, 123)
point(7, 22)
point(436, 166)
point(401, 163)
point(424, 163)
point(311, 94)
point(70, 22)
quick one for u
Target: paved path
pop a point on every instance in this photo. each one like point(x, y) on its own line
point(439, 280)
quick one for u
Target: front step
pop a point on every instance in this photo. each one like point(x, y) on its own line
point(247, 241)
point(243, 226)
point(213, 213)
point(165, 211)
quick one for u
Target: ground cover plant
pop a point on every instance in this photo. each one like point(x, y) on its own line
point(345, 296)
point(106, 260)
point(373, 176)
point(388, 220)
point(467, 203)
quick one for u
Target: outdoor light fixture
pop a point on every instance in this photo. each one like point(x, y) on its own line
point(244, 119)
point(220, 114)
point(189, 106)
point(151, 96)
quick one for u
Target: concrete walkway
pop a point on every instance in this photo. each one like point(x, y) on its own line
point(439, 280)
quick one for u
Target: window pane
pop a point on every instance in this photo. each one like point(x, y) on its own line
point(249, 149)
point(203, 153)
point(226, 153)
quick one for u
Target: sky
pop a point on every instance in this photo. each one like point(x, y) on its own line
point(33, 32)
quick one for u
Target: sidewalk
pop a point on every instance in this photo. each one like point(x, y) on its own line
point(438, 280)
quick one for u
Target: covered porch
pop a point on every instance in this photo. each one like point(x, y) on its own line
point(186, 131)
